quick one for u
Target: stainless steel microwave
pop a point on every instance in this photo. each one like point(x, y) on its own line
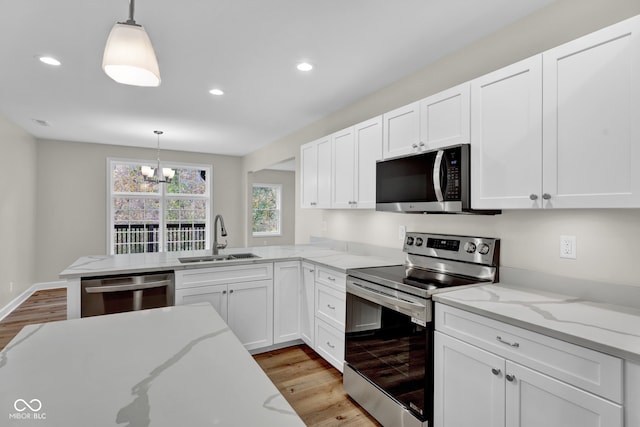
point(437, 181)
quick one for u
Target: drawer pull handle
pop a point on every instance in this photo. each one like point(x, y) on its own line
point(329, 344)
point(331, 307)
point(495, 371)
point(510, 378)
point(512, 344)
point(333, 279)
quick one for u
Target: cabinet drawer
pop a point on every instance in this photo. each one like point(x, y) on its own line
point(221, 275)
point(330, 277)
point(330, 306)
point(590, 370)
point(330, 344)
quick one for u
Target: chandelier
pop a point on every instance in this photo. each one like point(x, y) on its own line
point(157, 175)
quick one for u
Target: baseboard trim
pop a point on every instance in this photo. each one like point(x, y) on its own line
point(15, 303)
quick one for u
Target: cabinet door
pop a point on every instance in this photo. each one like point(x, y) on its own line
point(309, 175)
point(216, 295)
point(592, 120)
point(250, 313)
point(330, 344)
point(286, 297)
point(534, 400)
point(401, 131)
point(506, 137)
point(307, 305)
point(445, 118)
point(368, 144)
point(324, 173)
point(469, 387)
point(342, 145)
point(330, 306)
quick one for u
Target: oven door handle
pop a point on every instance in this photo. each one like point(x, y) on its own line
point(126, 287)
point(409, 308)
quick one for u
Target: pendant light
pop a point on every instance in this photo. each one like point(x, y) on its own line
point(128, 55)
point(153, 175)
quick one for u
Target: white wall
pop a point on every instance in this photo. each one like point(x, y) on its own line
point(530, 239)
point(71, 192)
point(17, 210)
point(288, 206)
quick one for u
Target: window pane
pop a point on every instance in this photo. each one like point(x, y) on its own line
point(128, 178)
point(266, 209)
point(135, 225)
point(186, 224)
point(188, 181)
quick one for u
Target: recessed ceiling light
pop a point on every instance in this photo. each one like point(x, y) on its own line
point(304, 66)
point(216, 92)
point(49, 60)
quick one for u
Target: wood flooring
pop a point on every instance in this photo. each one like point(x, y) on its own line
point(313, 388)
point(43, 306)
point(310, 384)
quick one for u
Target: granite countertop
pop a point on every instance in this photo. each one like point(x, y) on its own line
point(609, 328)
point(98, 265)
point(163, 367)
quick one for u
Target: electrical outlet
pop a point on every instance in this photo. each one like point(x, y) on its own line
point(568, 247)
point(402, 231)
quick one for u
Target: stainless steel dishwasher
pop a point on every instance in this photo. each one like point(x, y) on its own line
point(117, 294)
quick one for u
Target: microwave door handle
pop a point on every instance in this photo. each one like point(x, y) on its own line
point(437, 181)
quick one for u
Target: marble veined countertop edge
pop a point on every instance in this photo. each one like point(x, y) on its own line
point(608, 328)
point(96, 265)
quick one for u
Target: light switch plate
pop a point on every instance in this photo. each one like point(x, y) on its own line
point(568, 247)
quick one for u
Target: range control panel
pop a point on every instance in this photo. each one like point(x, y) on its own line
point(477, 250)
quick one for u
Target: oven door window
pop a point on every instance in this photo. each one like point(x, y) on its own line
point(391, 351)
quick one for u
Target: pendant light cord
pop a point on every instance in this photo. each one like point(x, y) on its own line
point(132, 7)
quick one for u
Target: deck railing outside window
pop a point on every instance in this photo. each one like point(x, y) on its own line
point(141, 238)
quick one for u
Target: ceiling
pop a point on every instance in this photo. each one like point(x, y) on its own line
point(248, 48)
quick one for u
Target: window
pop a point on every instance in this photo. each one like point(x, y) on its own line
point(148, 217)
point(266, 209)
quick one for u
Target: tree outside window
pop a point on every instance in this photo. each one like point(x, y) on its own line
point(266, 210)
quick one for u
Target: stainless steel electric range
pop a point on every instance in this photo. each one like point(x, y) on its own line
point(389, 323)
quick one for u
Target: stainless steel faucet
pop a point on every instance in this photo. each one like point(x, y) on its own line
point(223, 231)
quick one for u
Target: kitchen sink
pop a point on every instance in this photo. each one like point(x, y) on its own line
point(244, 255)
point(213, 258)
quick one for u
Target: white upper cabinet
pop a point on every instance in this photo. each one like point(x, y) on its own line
point(368, 145)
point(344, 160)
point(355, 152)
point(592, 120)
point(402, 131)
point(561, 129)
point(437, 121)
point(315, 161)
point(445, 117)
point(506, 135)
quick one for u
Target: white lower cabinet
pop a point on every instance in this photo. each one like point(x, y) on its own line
point(307, 304)
point(490, 374)
point(330, 344)
point(246, 304)
point(330, 310)
point(286, 296)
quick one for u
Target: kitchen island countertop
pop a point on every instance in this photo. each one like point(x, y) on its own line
point(609, 328)
point(163, 367)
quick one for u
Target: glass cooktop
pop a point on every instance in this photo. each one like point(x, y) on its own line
point(424, 282)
